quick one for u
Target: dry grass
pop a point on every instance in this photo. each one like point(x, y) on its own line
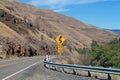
point(7, 32)
point(115, 77)
point(2, 56)
point(52, 22)
point(46, 22)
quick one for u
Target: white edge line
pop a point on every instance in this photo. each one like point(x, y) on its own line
point(20, 70)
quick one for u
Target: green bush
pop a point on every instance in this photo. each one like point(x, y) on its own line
point(107, 55)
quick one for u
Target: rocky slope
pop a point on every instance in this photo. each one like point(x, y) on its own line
point(26, 30)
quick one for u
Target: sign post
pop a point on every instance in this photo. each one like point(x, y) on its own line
point(60, 49)
point(60, 40)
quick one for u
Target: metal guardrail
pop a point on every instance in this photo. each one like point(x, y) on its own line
point(85, 68)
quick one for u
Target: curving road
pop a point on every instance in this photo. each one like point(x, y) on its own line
point(32, 68)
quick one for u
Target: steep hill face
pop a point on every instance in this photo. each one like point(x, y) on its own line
point(26, 30)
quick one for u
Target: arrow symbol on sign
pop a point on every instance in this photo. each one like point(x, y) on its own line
point(60, 39)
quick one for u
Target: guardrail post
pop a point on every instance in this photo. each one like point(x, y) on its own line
point(74, 72)
point(109, 77)
point(89, 74)
point(63, 70)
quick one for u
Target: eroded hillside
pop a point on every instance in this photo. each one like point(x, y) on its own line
point(27, 31)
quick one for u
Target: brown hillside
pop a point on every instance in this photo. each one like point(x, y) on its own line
point(25, 29)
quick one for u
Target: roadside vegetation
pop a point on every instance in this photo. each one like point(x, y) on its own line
point(107, 55)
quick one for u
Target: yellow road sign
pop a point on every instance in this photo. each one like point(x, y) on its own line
point(60, 39)
point(60, 50)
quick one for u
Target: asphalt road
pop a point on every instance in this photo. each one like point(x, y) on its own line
point(32, 69)
point(11, 68)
